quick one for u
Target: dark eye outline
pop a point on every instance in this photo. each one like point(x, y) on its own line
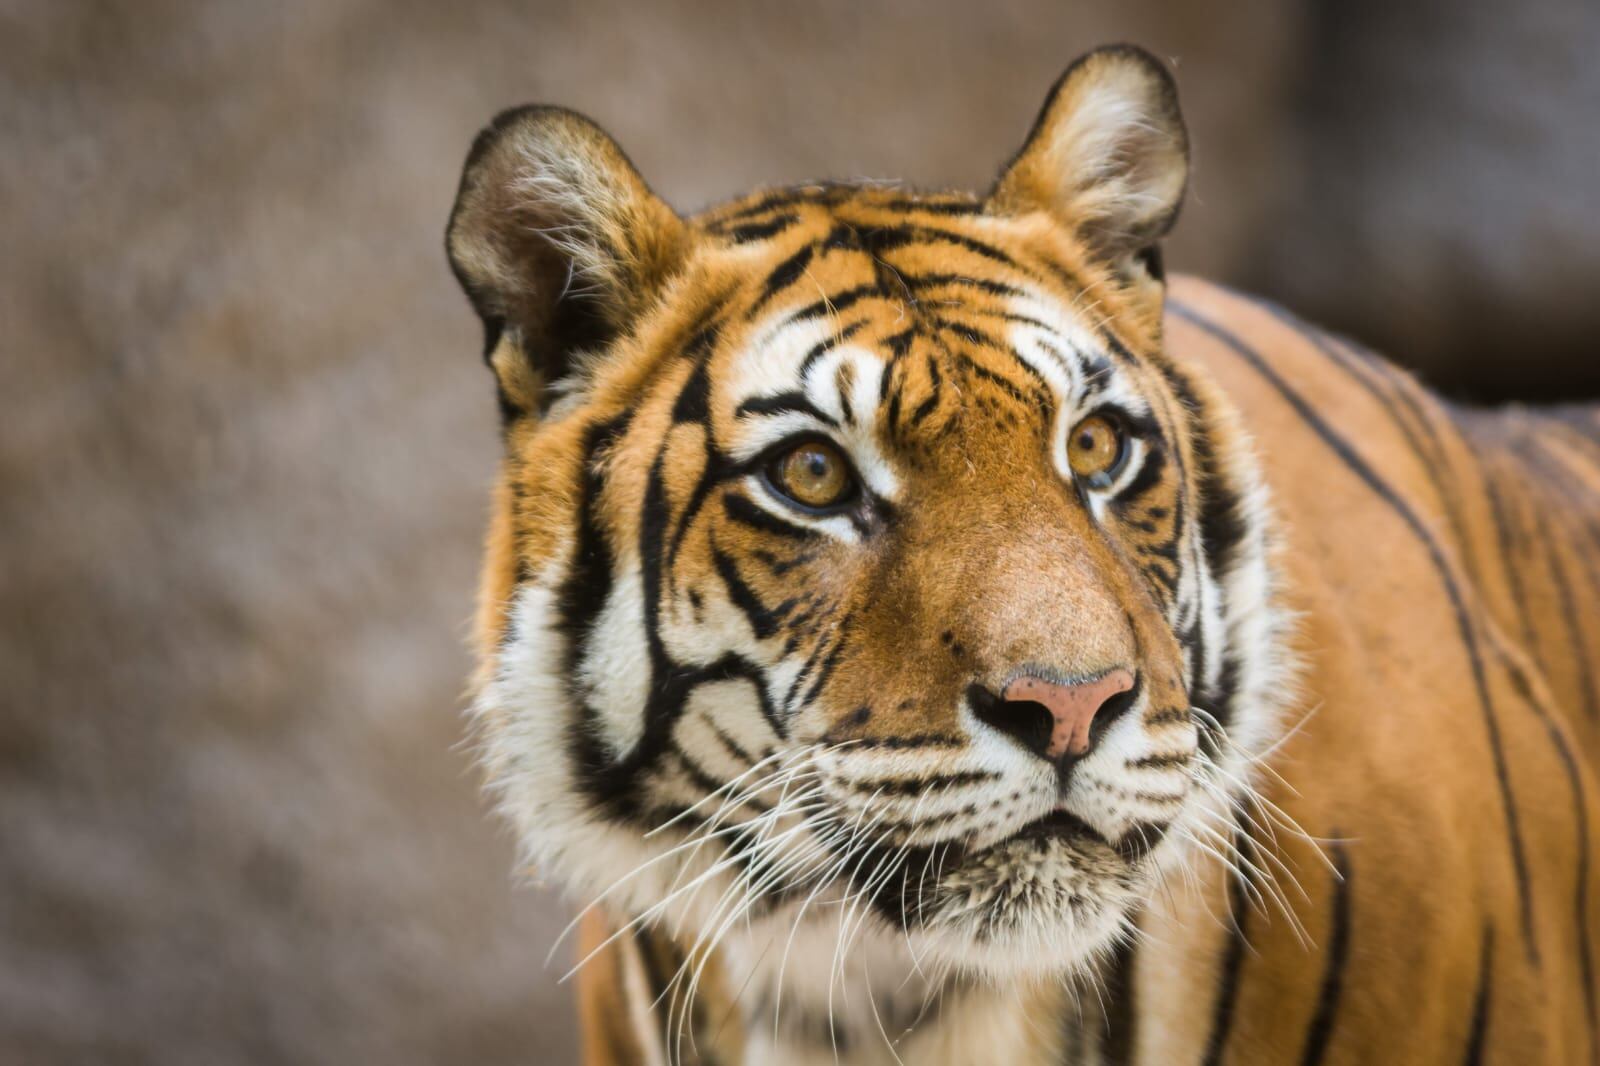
point(1120, 426)
point(772, 458)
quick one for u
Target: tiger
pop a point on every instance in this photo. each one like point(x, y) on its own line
point(915, 629)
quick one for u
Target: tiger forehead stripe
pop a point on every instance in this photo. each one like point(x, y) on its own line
point(940, 301)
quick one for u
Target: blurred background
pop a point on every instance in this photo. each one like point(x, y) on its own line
point(246, 438)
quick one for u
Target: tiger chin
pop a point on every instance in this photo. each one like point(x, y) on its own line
point(885, 619)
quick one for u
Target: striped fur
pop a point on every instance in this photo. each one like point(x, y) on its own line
point(752, 740)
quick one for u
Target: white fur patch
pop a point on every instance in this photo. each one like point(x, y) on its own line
point(616, 671)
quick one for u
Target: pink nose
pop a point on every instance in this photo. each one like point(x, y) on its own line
point(1072, 707)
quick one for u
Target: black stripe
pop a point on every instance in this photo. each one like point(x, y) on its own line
point(606, 780)
point(1158, 762)
point(1120, 1006)
point(1167, 716)
point(1115, 345)
point(588, 583)
point(1507, 540)
point(1576, 643)
point(897, 743)
point(804, 673)
point(999, 381)
point(1167, 550)
point(1068, 278)
point(828, 666)
point(912, 786)
point(1232, 956)
point(779, 567)
point(1367, 371)
point(697, 774)
point(927, 406)
point(734, 750)
point(899, 343)
point(1147, 478)
point(1480, 1000)
point(1580, 805)
point(744, 512)
point(933, 281)
point(784, 403)
point(823, 347)
point(1093, 370)
point(656, 975)
point(1221, 514)
point(783, 275)
point(760, 231)
point(891, 417)
point(1469, 638)
point(693, 406)
point(762, 621)
point(706, 330)
point(772, 201)
point(1563, 485)
point(844, 383)
point(1580, 800)
point(842, 237)
point(832, 304)
point(586, 588)
point(1168, 580)
point(1338, 954)
point(694, 400)
point(979, 338)
point(936, 206)
point(1019, 319)
point(886, 239)
point(653, 519)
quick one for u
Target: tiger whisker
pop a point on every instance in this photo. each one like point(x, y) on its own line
point(1267, 882)
point(735, 903)
point(694, 843)
point(736, 900)
point(1268, 830)
point(1254, 795)
point(672, 896)
point(823, 881)
point(706, 831)
point(733, 784)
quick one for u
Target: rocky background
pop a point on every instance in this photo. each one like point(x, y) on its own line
point(246, 438)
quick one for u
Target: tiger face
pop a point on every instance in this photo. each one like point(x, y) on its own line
point(858, 555)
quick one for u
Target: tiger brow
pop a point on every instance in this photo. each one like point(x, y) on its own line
point(793, 402)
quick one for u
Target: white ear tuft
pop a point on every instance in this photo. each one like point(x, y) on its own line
point(1108, 154)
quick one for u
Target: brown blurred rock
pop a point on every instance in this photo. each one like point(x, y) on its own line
point(246, 438)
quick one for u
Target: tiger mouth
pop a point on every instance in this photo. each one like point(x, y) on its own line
point(1063, 825)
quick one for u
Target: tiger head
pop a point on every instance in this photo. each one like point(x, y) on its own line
point(862, 548)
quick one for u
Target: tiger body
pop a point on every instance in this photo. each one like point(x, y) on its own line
point(1342, 807)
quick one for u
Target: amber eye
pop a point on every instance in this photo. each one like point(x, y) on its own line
point(813, 475)
point(1095, 449)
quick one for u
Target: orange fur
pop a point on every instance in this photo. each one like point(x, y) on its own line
point(1442, 564)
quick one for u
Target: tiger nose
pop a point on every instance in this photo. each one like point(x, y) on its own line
point(1072, 709)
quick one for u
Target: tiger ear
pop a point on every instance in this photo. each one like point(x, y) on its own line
point(1108, 156)
point(558, 243)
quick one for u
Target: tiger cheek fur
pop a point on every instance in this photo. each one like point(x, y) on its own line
point(730, 715)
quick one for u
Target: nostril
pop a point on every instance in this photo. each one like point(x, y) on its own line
point(1113, 708)
point(1057, 720)
point(1029, 722)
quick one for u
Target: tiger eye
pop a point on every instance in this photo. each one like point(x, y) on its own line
point(814, 474)
point(1094, 448)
